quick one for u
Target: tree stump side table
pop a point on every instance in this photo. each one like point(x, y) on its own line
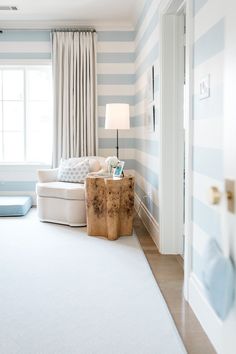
point(109, 206)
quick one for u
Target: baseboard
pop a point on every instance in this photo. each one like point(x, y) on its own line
point(148, 220)
point(211, 324)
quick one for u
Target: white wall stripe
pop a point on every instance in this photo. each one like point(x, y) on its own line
point(148, 188)
point(115, 47)
point(216, 9)
point(145, 23)
point(200, 239)
point(25, 47)
point(25, 61)
point(115, 90)
point(205, 136)
point(125, 154)
point(148, 46)
point(214, 67)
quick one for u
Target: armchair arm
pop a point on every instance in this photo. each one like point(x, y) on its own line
point(47, 175)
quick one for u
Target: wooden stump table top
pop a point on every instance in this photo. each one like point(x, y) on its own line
point(110, 206)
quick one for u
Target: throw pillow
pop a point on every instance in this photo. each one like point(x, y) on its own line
point(74, 172)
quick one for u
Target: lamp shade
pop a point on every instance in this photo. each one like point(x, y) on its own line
point(117, 116)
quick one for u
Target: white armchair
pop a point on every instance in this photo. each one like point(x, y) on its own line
point(63, 202)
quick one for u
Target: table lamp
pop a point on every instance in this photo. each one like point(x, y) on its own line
point(117, 117)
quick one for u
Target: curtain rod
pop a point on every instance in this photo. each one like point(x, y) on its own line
point(74, 30)
point(2, 30)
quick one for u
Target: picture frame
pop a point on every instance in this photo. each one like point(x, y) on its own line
point(118, 172)
point(151, 118)
point(150, 84)
point(151, 101)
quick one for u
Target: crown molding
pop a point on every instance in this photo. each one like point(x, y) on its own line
point(48, 25)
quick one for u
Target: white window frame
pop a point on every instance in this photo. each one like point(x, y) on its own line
point(22, 64)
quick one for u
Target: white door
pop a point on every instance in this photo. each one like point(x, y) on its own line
point(229, 216)
point(228, 204)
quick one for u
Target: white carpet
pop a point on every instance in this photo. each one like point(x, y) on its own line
point(62, 292)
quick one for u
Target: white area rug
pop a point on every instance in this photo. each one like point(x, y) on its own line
point(62, 292)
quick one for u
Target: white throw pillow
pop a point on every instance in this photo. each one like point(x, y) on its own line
point(73, 171)
point(94, 165)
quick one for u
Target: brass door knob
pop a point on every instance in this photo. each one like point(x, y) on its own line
point(214, 195)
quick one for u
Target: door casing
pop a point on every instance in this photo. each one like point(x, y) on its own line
point(171, 134)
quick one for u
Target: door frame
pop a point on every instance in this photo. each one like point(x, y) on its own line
point(170, 190)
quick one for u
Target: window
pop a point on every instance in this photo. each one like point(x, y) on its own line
point(25, 114)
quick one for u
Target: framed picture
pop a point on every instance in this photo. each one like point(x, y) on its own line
point(119, 169)
point(151, 117)
point(150, 84)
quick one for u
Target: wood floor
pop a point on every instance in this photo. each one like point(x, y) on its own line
point(168, 272)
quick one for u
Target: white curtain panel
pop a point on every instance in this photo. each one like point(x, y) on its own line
point(75, 96)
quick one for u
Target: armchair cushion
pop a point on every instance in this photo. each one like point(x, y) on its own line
point(48, 175)
point(63, 190)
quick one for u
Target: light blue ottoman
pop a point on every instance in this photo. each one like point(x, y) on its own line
point(15, 206)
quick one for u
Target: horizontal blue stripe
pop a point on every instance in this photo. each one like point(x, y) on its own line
point(211, 107)
point(35, 55)
point(150, 176)
point(115, 79)
point(147, 174)
point(8, 186)
point(116, 36)
point(101, 122)
point(115, 58)
point(197, 5)
point(143, 14)
point(208, 162)
point(109, 143)
point(140, 95)
point(148, 61)
point(210, 43)
point(206, 218)
point(25, 36)
point(147, 33)
point(129, 163)
point(150, 205)
point(151, 147)
point(138, 120)
point(103, 100)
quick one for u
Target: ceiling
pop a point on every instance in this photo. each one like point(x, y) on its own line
point(92, 11)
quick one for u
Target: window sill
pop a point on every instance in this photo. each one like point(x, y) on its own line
point(25, 164)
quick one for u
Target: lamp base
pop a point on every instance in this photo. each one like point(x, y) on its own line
point(117, 144)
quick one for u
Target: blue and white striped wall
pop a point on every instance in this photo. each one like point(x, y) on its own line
point(146, 147)
point(116, 77)
point(18, 46)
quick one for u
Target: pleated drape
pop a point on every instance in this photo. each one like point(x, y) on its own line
point(75, 96)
